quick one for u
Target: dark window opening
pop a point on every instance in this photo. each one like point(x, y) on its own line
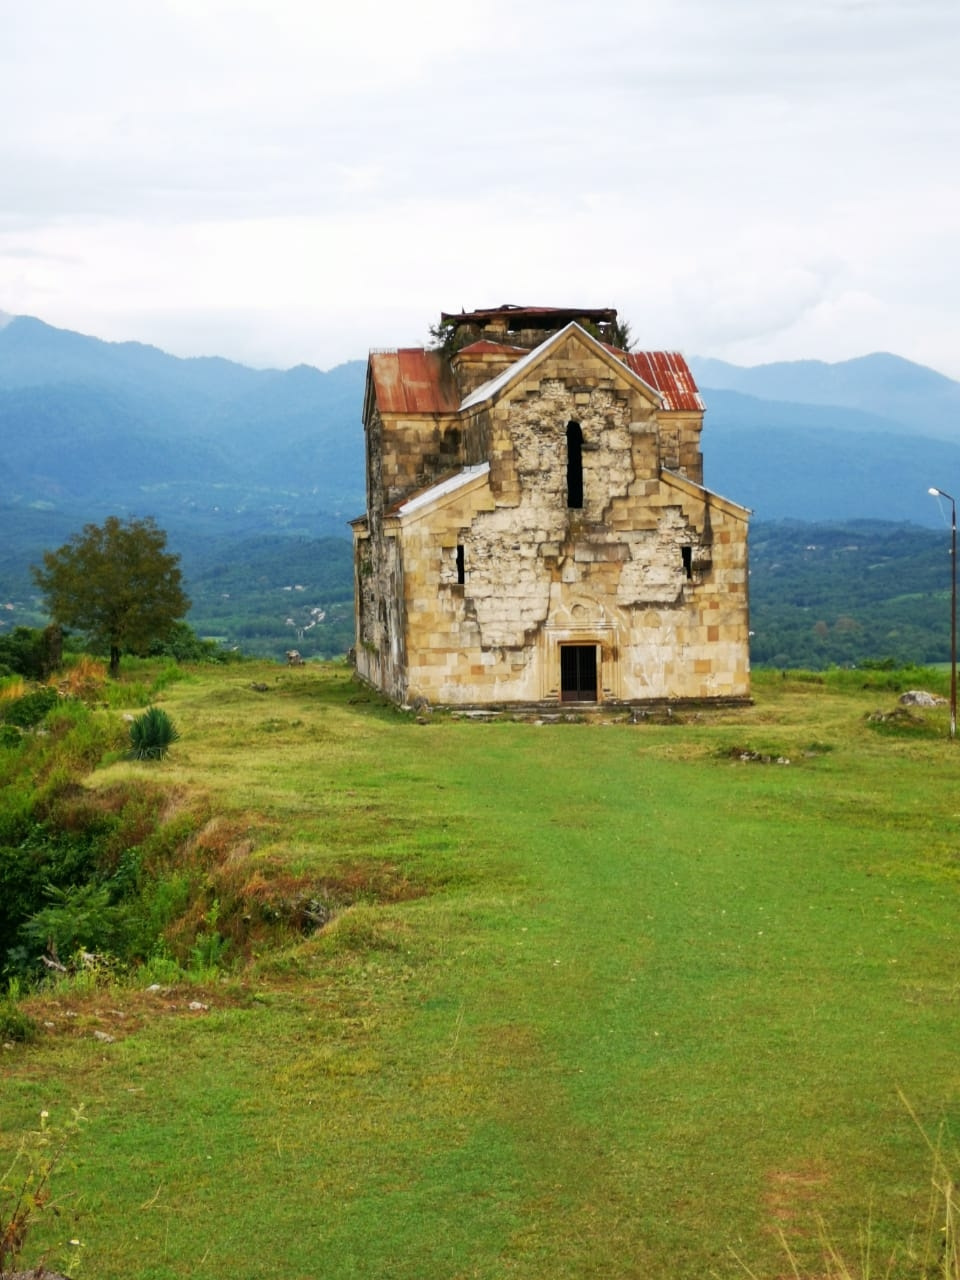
point(578, 673)
point(574, 465)
point(461, 567)
point(687, 555)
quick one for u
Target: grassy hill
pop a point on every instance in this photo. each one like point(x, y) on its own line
point(594, 999)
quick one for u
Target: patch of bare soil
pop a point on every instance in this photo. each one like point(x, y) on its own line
point(122, 1012)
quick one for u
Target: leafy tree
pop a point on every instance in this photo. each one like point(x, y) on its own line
point(117, 583)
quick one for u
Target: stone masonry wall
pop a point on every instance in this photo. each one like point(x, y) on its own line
point(651, 569)
point(642, 569)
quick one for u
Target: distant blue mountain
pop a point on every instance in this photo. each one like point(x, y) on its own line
point(34, 354)
point(126, 425)
point(774, 441)
point(252, 472)
point(922, 401)
point(94, 425)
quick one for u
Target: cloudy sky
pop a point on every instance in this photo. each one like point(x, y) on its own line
point(280, 181)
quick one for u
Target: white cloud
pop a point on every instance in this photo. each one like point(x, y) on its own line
point(279, 180)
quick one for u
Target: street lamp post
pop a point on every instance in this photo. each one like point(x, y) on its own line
point(939, 493)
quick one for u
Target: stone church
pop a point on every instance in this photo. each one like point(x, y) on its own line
point(537, 529)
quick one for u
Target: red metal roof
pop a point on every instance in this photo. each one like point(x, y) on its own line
point(668, 373)
point(413, 380)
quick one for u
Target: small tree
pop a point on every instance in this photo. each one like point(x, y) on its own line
point(117, 583)
point(622, 335)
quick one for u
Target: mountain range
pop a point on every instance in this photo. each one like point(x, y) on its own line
point(861, 439)
point(225, 456)
point(126, 427)
point(123, 426)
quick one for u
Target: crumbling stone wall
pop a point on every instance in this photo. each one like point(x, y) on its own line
point(380, 654)
point(651, 568)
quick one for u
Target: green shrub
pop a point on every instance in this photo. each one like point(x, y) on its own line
point(158, 905)
point(28, 711)
point(208, 954)
point(160, 968)
point(182, 643)
point(17, 801)
point(209, 951)
point(83, 737)
point(41, 856)
point(152, 734)
point(77, 917)
point(15, 1025)
point(170, 674)
point(31, 653)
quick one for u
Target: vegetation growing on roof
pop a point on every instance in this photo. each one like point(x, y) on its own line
point(448, 337)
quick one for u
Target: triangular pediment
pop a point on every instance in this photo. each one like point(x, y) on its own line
point(557, 345)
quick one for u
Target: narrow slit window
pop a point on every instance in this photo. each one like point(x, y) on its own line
point(461, 566)
point(687, 556)
point(574, 465)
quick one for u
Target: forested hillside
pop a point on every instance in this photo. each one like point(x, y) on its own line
point(254, 475)
point(276, 593)
point(823, 595)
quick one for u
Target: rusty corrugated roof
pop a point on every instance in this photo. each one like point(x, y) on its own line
point(668, 373)
point(413, 380)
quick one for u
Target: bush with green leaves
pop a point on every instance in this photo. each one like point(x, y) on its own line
point(152, 734)
point(16, 1026)
point(29, 652)
point(183, 644)
point(28, 711)
point(76, 918)
point(40, 857)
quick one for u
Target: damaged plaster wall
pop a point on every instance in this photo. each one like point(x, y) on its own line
point(469, 596)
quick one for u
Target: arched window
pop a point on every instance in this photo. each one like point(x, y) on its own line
point(574, 465)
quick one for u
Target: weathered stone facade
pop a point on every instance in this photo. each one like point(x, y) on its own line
point(537, 530)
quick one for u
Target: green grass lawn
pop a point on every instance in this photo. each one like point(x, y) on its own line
point(639, 1006)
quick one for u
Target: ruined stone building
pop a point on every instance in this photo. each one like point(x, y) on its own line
point(537, 529)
